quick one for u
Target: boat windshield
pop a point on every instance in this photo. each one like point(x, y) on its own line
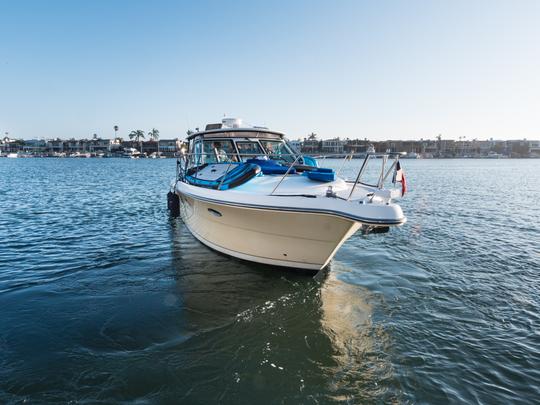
point(219, 151)
point(278, 150)
point(249, 149)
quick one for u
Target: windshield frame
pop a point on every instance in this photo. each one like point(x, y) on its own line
point(287, 157)
point(199, 147)
point(243, 155)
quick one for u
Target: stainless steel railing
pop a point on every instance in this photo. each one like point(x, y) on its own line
point(188, 161)
point(285, 175)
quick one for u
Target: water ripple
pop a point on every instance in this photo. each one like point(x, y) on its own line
point(106, 299)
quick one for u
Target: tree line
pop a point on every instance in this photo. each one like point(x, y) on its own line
point(139, 134)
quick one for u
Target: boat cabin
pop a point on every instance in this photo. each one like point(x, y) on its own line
point(227, 154)
point(229, 142)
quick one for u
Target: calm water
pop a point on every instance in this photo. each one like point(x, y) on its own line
point(104, 298)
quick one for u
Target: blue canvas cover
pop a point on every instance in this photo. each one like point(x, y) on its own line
point(321, 174)
point(310, 161)
point(240, 174)
point(271, 166)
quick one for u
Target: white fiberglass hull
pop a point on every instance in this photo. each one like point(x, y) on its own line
point(281, 238)
point(302, 230)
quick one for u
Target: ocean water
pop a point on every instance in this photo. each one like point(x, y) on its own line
point(105, 299)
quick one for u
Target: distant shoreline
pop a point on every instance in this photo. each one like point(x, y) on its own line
point(82, 156)
point(321, 157)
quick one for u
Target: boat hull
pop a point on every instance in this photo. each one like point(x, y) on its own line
point(283, 238)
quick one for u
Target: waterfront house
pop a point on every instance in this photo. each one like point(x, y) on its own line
point(534, 148)
point(71, 146)
point(429, 148)
point(169, 147)
point(35, 146)
point(311, 144)
point(9, 145)
point(334, 145)
point(296, 145)
point(55, 145)
point(389, 146)
point(84, 145)
point(481, 148)
point(519, 148)
point(356, 146)
point(99, 145)
point(149, 147)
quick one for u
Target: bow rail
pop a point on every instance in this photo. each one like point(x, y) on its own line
point(191, 161)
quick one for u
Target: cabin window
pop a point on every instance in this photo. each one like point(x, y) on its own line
point(197, 150)
point(218, 151)
point(278, 150)
point(249, 149)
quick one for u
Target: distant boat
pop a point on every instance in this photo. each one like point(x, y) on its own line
point(156, 155)
point(411, 155)
point(131, 153)
point(494, 155)
point(12, 155)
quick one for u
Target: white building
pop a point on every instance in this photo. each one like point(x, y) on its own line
point(334, 145)
point(534, 148)
point(296, 145)
point(168, 147)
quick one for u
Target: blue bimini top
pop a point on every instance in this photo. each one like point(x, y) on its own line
point(240, 174)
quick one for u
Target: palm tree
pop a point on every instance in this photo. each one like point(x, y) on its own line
point(137, 135)
point(154, 135)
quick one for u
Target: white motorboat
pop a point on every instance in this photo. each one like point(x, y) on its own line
point(411, 155)
point(243, 191)
point(131, 153)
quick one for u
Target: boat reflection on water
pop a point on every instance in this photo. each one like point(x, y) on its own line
point(253, 330)
point(360, 346)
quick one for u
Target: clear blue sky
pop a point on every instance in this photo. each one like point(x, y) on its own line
point(379, 69)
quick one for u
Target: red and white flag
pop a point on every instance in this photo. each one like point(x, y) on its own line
point(399, 176)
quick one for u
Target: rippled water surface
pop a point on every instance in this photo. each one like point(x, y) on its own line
point(104, 298)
